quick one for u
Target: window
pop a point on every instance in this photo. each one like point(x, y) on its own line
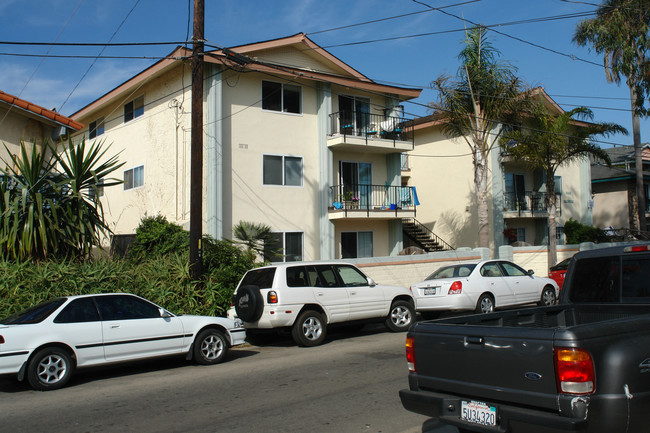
point(99, 190)
point(356, 244)
point(282, 170)
point(263, 278)
point(125, 307)
point(281, 97)
point(134, 109)
point(513, 270)
point(351, 276)
point(96, 128)
point(284, 247)
point(491, 270)
point(77, 311)
point(134, 178)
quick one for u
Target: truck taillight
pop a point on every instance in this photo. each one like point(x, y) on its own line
point(2, 339)
point(456, 288)
point(410, 354)
point(574, 370)
point(272, 297)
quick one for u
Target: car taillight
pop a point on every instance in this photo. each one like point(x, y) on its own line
point(456, 288)
point(272, 297)
point(574, 370)
point(636, 248)
point(2, 339)
point(410, 354)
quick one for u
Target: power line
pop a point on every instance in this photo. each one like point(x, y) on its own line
point(79, 56)
point(100, 53)
point(93, 44)
point(387, 18)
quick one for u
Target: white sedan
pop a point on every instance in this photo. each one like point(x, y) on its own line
point(481, 287)
point(46, 343)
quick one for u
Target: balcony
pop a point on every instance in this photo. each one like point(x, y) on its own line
point(350, 130)
point(529, 204)
point(372, 201)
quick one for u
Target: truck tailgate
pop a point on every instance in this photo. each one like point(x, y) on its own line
point(487, 362)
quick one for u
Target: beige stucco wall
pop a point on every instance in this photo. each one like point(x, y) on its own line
point(18, 125)
point(149, 140)
point(441, 169)
point(611, 206)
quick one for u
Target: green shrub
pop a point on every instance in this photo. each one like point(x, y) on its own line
point(577, 233)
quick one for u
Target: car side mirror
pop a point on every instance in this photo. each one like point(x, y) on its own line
point(530, 272)
point(371, 282)
point(164, 313)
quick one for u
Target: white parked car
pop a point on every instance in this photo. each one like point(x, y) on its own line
point(306, 297)
point(47, 342)
point(481, 287)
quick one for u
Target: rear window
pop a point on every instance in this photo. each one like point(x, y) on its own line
point(262, 278)
point(34, 314)
point(596, 280)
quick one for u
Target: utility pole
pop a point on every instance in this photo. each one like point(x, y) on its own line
point(196, 151)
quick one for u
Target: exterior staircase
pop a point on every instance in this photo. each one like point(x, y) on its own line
point(423, 237)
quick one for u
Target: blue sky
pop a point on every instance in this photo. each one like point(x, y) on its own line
point(412, 61)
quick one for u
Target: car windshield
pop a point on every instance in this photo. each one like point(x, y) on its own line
point(263, 278)
point(452, 271)
point(34, 314)
point(562, 266)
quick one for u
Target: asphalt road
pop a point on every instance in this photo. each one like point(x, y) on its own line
point(349, 384)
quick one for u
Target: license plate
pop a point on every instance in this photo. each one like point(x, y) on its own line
point(478, 413)
point(430, 291)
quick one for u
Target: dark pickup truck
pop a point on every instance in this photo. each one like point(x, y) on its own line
point(582, 365)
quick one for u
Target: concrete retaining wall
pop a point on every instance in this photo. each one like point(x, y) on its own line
point(407, 270)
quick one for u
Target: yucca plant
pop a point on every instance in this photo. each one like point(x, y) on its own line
point(50, 203)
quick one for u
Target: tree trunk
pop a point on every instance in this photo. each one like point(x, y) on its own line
point(480, 186)
point(638, 163)
point(551, 208)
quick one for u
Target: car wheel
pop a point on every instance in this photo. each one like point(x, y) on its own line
point(485, 304)
point(309, 329)
point(548, 296)
point(401, 316)
point(49, 369)
point(210, 347)
point(249, 303)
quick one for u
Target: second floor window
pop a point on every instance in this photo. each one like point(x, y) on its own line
point(284, 247)
point(96, 128)
point(134, 178)
point(281, 97)
point(282, 170)
point(134, 109)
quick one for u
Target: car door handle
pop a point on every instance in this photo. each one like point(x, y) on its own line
point(474, 340)
point(353, 293)
point(115, 325)
point(320, 293)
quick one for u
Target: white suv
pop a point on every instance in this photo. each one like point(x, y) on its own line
point(307, 296)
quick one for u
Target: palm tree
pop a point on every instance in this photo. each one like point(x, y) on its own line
point(548, 142)
point(484, 95)
point(620, 33)
point(254, 236)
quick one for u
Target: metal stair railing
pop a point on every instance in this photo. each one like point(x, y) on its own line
point(419, 227)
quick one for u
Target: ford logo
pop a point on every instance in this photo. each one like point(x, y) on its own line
point(531, 375)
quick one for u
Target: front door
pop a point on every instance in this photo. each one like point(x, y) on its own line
point(134, 328)
point(356, 180)
point(365, 301)
point(329, 293)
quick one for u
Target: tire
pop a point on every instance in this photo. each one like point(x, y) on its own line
point(401, 316)
point(49, 369)
point(210, 347)
point(548, 297)
point(249, 303)
point(309, 329)
point(485, 304)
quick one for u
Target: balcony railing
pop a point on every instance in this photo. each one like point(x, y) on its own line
point(371, 126)
point(372, 198)
point(530, 203)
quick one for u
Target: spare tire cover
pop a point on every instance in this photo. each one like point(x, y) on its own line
point(249, 303)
